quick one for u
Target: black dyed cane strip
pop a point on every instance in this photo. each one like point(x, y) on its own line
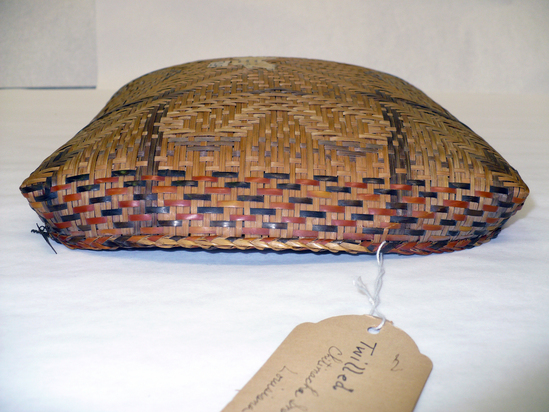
point(350, 203)
point(214, 210)
point(338, 189)
point(249, 198)
point(500, 190)
point(288, 186)
point(229, 175)
point(505, 205)
point(123, 225)
point(135, 183)
point(280, 176)
point(171, 173)
point(403, 219)
point(111, 212)
point(415, 182)
point(262, 211)
point(302, 200)
point(118, 173)
point(322, 178)
point(77, 178)
point(373, 180)
point(147, 196)
point(372, 231)
point(170, 223)
point(192, 183)
point(385, 192)
point(470, 199)
point(100, 199)
point(325, 228)
point(58, 208)
point(396, 205)
point(457, 185)
point(312, 213)
point(70, 218)
point(439, 209)
point(472, 212)
point(88, 188)
point(272, 225)
point(362, 216)
point(45, 197)
point(197, 196)
point(222, 223)
point(243, 185)
point(157, 209)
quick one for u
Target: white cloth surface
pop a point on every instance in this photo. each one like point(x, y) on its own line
point(498, 46)
point(183, 330)
point(469, 46)
point(48, 43)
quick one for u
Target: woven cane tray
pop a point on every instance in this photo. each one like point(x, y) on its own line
point(276, 153)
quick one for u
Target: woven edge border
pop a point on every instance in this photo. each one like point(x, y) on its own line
point(275, 244)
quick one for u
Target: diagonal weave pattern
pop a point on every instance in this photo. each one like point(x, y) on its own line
point(276, 153)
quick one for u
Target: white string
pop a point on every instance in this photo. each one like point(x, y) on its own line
point(373, 298)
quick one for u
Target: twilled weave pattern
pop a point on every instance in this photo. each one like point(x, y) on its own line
point(274, 153)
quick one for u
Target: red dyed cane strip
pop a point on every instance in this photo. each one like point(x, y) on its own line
point(205, 178)
point(128, 203)
point(423, 215)
point(319, 193)
point(455, 203)
point(83, 209)
point(332, 209)
point(292, 219)
point(139, 218)
point(117, 191)
point(63, 225)
point(57, 188)
point(370, 197)
point(346, 223)
point(96, 220)
point(357, 184)
point(440, 189)
point(106, 180)
point(480, 193)
point(383, 212)
point(218, 190)
point(414, 200)
point(270, 192)
point(432, 228)
point(164, 189)
point(282, 205)
point(307, 182)
point(189, 216)
point(152, 177)
point(401, 187)
point(72, 197)
point(177, 202)
point(152, 231)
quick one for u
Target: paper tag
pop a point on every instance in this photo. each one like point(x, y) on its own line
point(337, 365)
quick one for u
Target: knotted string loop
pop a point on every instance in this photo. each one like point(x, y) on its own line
point(373, 298)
